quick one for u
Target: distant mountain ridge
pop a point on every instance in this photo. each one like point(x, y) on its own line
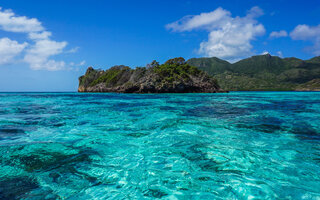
point(263, 73)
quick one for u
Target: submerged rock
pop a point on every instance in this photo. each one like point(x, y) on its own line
point(174, 76)
point(17, 187)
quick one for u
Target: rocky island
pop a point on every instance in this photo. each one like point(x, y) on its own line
point(174, 76)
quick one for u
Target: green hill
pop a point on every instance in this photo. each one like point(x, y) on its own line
point(263, 72)
point(211, 65)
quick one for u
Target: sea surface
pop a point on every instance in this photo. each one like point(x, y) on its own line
point(240, 145)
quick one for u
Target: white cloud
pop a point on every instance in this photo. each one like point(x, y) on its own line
point(280, 54)
point(40, 52)
point(78, 64)
point(305, 32)
point(229, 37)
point(204, 20)
point(9, 21)
point(45, 48)
point(82, 63)
point(276, 34)
point(38, 55)
point(308, 33)
point(40, 36)
point(50, 65)
point(9, 49)
point(73, 50)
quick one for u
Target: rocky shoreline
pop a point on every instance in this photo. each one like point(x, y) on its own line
point(174, 76)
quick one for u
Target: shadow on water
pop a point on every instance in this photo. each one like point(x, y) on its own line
point(56, 161)
point(155, 193)
point(198, 154)
point(33, 109)
point(261, 124)
point(288, 106)
point(305, 131)
point(157, 146)
point(46, 156)
point(9, 132)
point(17, 187)
point(216, 111)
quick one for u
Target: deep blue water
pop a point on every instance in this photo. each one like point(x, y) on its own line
point(241, 145)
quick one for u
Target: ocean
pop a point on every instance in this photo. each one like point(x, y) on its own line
point(237, 145)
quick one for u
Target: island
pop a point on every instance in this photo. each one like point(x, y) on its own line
point(174, 76)
point(263, 73)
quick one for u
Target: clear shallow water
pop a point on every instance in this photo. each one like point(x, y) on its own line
point(241, 145)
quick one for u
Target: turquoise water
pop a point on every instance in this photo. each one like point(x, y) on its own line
point(241, 145)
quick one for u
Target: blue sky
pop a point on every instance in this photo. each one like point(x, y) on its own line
point(47, 45)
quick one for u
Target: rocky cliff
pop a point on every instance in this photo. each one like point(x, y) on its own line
point(174, 76)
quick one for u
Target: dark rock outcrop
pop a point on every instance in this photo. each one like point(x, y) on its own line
point(175, 76)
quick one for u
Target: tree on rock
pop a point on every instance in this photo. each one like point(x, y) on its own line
point(176, 61)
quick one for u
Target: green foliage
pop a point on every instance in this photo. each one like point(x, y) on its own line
point(310, 85)
point(90, 76)
point(264, 72)
point(109, 77)
point(241, 82)
point(292, 62)
point(258, 64)
point(154, 63)
point(176, 71)
point(175, 61)
point(314, 60)
point(211, 65)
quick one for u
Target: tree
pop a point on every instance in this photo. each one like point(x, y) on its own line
point(153, 64)
point(176, 61)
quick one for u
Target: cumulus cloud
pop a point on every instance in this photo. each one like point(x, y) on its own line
point(9, 49)
point(204, 20)
point(308, 33)
point(39, 35)
point(38, 55)
point(229, 37)
point(278, 34)
point(10, 22)
point(39, 52)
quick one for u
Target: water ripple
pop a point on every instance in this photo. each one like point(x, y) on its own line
point(241, 145)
